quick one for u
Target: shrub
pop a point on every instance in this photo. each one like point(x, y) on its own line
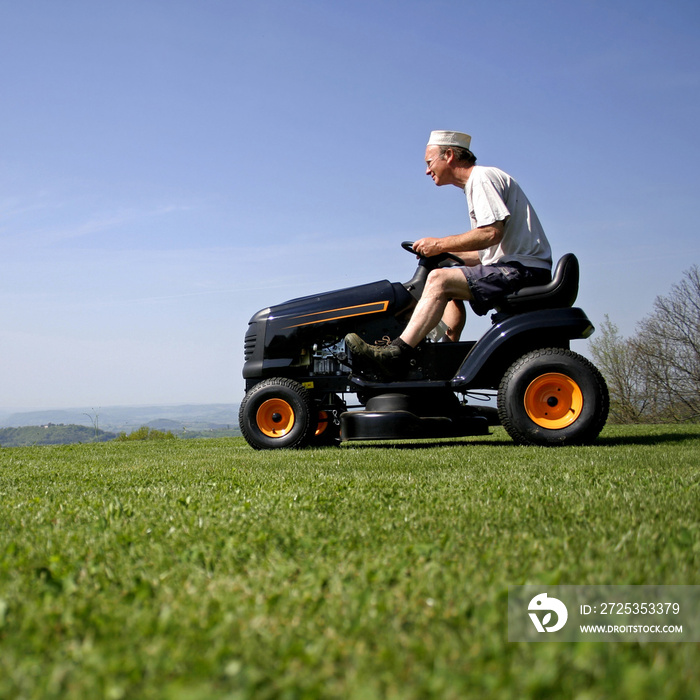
point(146, 433)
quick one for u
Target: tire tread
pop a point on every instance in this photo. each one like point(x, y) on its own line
point(583, 434)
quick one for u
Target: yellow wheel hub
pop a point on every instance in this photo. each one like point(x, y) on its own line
point(322, 423)
point(553, 401)
point(275, 418)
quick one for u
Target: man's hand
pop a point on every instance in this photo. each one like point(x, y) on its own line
point(428, 247)
point(469, 242)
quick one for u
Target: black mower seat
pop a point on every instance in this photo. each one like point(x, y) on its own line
point(560, 293)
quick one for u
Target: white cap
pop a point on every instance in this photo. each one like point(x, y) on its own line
point(449, 138)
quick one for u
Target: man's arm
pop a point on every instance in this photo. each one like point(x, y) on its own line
point(461, 243)
point(469, 257)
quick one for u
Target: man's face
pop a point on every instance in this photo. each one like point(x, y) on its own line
point(435, 165)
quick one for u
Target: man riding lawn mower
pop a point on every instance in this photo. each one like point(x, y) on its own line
point(304, 356)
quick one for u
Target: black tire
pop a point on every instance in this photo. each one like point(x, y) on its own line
point(276, 414)
point(553, 397)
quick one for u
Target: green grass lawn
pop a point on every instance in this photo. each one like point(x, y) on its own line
point(203, 569)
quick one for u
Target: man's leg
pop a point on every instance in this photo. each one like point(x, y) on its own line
point(455, 318)
point(442, 285)
point(393, 359)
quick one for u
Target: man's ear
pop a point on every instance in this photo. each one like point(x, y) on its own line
point(449, 155)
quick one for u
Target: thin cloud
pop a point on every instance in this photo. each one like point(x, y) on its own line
point(28, 234)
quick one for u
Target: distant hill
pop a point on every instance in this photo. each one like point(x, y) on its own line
point(51, 434)
point(180, 418)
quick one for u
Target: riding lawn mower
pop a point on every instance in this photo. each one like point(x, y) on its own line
point(300, 377)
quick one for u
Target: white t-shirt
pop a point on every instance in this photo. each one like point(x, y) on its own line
point(493, 195)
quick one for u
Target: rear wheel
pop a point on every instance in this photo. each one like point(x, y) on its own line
point(278, 413)
point(553, 397)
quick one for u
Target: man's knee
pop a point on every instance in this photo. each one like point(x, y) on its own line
point(438, 279)
point(450, 282)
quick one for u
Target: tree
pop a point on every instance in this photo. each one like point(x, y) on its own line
point(668, 345)
point(655, 375)
point(617, 358)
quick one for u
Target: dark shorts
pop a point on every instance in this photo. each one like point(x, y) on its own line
point(490, 283)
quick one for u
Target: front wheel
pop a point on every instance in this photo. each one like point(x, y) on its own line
point(277, 413)
point(553, 397)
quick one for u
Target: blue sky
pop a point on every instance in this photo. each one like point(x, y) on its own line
point(169, 167)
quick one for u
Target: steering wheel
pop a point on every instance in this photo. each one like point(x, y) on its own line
point(435, 260)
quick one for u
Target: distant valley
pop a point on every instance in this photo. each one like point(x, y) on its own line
point(187, 420)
